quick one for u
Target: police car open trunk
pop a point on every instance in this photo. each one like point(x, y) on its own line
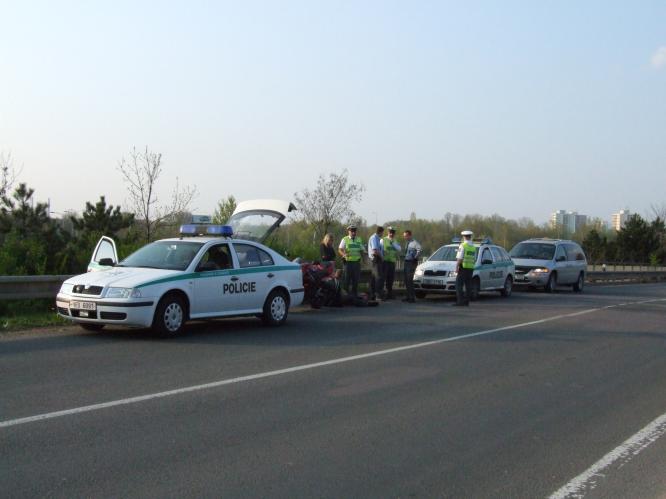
point(257, 219)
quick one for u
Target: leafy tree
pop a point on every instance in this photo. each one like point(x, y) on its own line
point(31, 241)
point(329, 202)
point(141, 173)
point(98, 220)
point(224, 210)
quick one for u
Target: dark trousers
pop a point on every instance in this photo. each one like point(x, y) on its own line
point(352, 276)
point(377, 279)
point(389, 277)
point(410, 268)
point(464, 278)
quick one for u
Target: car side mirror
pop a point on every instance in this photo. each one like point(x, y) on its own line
point(561, 258)
point(486, 262)
point(107, 262)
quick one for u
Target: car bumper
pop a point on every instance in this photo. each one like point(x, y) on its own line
point(436, 285)
point(135, 312)
point(531, 279)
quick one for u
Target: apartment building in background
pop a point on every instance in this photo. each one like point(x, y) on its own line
point(568, 221)
point(619, 219)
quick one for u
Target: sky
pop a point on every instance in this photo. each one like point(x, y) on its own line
point(517, 108)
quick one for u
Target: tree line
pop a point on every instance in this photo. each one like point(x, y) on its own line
point(34, 243)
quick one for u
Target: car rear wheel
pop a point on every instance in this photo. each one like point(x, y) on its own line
point(580, 283)
point(91, 327)
point(170, 316)
point(276, 308)
point(551, 284)
point(508, 287)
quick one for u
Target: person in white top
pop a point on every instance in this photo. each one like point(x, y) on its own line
point(376, 253)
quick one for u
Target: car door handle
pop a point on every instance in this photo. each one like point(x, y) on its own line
point(234, 278)
point(270, 275)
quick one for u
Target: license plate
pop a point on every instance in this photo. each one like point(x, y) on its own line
point(83, 305)
point(436, 282)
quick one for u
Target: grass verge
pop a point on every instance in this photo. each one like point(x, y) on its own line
point(28, 314)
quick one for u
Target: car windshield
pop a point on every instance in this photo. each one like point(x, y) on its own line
point(533, 251)
point(168, 255)
point(444, 254)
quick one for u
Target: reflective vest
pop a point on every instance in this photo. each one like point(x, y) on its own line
point(353, 248)
point(390, 253)
point(469, 255)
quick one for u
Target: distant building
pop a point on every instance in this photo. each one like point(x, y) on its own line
point(618, 220)
point(569, 221)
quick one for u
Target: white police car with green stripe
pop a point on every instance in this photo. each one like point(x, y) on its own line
point(493, 271)
point(170, 281)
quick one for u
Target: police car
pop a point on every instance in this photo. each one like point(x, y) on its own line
point(210, 271)
point(493, 271)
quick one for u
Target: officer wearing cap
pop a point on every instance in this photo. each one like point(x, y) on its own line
point(466, 259)
point(391, 249)
point(351, 251)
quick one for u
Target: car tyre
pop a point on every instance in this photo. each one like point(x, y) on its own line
point(476, 289)
point(276, 308)
point(580, 283)
point(508, 287)
point(551, 284)
point(91, 327)
point(420, 294)
point(170, 316)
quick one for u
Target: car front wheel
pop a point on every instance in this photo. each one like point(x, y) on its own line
point(170, 316)
point(508, 287)
point(276, 308)
point(551, 284)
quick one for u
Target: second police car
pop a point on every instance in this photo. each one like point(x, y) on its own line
point(225, 272)
point(494, 271)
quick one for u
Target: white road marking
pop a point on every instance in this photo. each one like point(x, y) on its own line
point(268, 374)
point(622, 454)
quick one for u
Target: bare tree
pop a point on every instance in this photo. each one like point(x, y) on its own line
point(8, 173)
point(659, 210)
point(141, 172)
point(330, 201)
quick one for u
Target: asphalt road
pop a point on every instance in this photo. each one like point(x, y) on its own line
point(514, 397)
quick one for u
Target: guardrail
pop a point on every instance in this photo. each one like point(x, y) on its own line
point(47, 286)
point(30, 286)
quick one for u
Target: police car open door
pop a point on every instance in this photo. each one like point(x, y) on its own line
point(105, 255)
point(257, 219)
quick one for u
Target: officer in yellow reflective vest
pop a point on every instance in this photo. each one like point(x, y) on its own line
point(466, 258)
point(351, 251)
point(391, 250)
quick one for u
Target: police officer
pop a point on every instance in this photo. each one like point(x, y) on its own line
point(391, 250)
point(412, 253)
point(466, 259)
point(351, 251)
point(376, 253)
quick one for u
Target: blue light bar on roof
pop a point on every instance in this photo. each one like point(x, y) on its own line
point(455, 240)
point(220, 230)
point(188, 230)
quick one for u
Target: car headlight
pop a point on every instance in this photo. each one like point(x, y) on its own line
point(453, 273)
point(540, 271)
point(123, 293)
point(419, 272)
point(67, 288)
